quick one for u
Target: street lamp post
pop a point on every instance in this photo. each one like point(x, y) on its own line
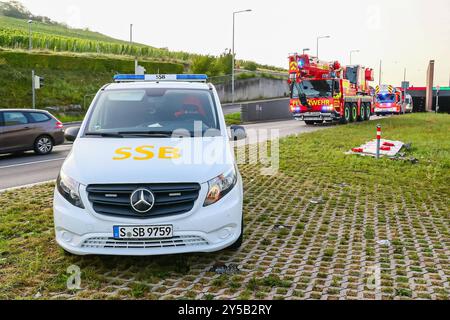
point(318, 38)
point(233, 53)
point(30, 42)
point(131, 34)
point(351, 53)
point(379, 75)
point(131, 48)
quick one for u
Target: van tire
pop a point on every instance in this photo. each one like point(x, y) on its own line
point(43, 145)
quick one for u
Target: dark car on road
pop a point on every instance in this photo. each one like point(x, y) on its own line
point(24, 130)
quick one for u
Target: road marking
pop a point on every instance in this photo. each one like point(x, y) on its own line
point(30, 163)
point(26, 186)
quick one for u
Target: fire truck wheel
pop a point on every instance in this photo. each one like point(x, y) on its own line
point(347, 117)
point(362, 112)
point(354, 115)
point(368, 111)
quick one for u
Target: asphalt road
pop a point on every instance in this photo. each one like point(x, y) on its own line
point(28, 168)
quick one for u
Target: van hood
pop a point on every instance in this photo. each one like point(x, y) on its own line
point(148, 160)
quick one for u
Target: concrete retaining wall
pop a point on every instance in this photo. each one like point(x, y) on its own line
point(253, 89)
point(266, 110)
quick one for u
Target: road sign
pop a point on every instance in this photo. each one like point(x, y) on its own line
point(405, 85)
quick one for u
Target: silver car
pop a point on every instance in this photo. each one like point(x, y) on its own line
point(408, 104)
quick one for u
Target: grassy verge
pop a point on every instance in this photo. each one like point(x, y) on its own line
point(322, 249)
point(69, 118)
point(232, 119)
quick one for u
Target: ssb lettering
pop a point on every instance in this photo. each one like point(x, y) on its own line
point(143, 153)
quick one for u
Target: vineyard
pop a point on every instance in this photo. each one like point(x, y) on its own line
point(14, 34)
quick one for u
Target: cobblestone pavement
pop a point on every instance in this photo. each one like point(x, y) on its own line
point(330, 241)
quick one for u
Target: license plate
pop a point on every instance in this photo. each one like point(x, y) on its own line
point(312, 114)
point(143, 232)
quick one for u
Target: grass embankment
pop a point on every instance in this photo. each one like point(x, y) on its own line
point(323, 250)
point(68, 78)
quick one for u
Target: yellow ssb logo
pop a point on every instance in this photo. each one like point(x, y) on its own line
point(143, 153)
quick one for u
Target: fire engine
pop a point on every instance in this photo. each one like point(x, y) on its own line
point(389, 100)
point(326, 91)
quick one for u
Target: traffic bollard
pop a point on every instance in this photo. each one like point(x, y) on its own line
point(378, 141)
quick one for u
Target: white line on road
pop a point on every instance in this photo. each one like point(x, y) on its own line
point(26, 186)
point(30, 163)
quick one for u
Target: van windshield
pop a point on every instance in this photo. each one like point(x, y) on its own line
point(153, 111)
point(386, 97)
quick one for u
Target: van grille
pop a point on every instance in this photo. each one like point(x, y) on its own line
point(110, 243)
point(170, 199)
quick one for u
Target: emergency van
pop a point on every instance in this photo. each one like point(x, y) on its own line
point(151, 172)
point(388, 100)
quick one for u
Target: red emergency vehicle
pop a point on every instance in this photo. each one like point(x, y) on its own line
point(326, 91)
point(388, 100)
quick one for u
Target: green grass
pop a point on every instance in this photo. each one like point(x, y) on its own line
point(233, 119)
point(322, 153)
point(68, 78)
point(69, 118)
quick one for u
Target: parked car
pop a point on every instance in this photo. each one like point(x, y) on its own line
point(24, 130)
point(409, 104)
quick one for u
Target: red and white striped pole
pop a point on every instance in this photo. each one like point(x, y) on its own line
point(378, 141)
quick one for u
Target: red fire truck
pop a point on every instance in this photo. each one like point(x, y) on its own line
point(326, 91)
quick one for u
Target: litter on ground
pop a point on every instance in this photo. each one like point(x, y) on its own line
point(388, 148)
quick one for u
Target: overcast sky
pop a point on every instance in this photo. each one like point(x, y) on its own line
point(403, 33)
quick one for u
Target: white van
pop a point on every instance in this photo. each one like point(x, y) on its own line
point(151, 172)
point(409, 105)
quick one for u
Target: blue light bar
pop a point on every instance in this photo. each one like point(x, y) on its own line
point(161, 77)
point(129, 77)
point(202, 77)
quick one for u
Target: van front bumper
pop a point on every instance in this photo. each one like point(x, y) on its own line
point(203, 229)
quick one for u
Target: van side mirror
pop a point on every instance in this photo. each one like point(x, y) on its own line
point(238, 133)
point(71, 133)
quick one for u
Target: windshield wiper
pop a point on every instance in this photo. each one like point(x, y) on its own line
point(104, 134)
point(163, 134)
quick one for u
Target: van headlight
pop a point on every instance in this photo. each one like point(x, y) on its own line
point(220, 186)
point(69, 189)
